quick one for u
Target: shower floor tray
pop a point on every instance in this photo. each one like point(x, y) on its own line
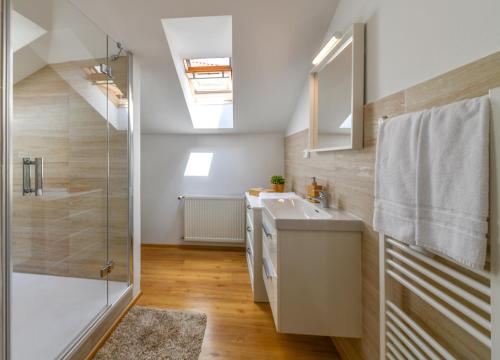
point(48, 312)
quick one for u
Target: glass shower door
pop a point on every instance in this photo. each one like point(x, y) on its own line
point(118, 182)
point(59, 163)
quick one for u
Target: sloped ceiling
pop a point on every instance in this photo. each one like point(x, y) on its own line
point(273, 44)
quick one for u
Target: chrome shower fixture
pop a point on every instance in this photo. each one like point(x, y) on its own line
point(116, 56)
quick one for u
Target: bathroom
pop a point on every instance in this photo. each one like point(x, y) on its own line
point(249, 180)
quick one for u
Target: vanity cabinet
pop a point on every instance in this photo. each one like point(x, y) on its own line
point(313, 277)
point(254, 246)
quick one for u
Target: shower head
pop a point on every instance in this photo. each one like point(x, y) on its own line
point(116, 56)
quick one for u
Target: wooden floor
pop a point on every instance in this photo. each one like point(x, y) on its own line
point(216, 282)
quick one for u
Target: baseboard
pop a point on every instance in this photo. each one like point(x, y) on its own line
point(197, 247)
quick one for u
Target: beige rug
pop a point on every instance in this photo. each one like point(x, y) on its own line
point(154, 334)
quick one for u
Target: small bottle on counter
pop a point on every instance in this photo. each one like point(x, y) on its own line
point(313, 190)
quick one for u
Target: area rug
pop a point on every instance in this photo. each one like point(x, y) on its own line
point(155, 334)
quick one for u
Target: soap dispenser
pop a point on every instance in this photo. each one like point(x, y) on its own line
point(313, 189)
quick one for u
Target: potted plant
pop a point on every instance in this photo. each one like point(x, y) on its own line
point(278, 182)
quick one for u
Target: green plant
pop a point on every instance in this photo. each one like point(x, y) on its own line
point(277, 179)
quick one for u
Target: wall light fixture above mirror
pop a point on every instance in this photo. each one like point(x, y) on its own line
point(337, 93)
point(330, 45)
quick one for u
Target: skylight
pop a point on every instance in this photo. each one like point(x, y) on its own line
point(198, 164)
point(210, 80)
point(201, 49)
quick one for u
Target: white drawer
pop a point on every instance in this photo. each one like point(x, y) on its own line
point(249, 251)
point(270, 243)
point(271, 285)
point(249, 211)
point(250, 267)
point(249, 221)
point(250, 236)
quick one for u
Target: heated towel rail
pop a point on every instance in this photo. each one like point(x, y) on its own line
point(468, 299)
point(214, 218)
point(463, 296)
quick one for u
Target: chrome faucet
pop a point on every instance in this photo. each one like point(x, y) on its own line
point(323, 199)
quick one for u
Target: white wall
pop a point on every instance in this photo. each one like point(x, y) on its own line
point(136, 176)
point(301, 115)
point(239, 162)
point(408, 42)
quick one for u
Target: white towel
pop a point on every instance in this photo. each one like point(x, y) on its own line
point(452, 181)
point(276, 195)
point(432, 180)
point(395, 177)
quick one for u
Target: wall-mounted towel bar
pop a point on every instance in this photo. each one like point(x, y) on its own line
point(382, 119)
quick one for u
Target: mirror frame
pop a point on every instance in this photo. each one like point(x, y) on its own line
point(356, 37)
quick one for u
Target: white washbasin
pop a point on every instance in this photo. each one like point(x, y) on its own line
point(294, 209)
point(299, 214)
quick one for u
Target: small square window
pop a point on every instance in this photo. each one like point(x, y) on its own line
point(198, 164)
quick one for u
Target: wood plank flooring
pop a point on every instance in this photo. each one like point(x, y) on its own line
point(216, 282)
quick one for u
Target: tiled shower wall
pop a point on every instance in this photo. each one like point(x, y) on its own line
point(65, 231)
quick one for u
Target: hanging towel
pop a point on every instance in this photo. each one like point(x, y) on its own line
point(275, 195)
point(453, 181)
point(395, 176)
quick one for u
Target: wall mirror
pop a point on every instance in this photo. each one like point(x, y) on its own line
point(337, 93)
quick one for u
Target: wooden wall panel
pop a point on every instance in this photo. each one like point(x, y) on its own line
point(65, 231)
point(349, 176)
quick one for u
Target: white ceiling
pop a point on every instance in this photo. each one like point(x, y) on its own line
point(273, 45)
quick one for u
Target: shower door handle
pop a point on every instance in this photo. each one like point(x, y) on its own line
point(39, 176)
point(38, 164)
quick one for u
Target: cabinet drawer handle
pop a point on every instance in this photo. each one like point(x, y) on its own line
point(249, 229)
point(266, 268)
point(248, 207)
point(268, 234)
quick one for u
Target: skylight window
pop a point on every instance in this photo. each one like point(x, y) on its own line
point(198, 164)
point(210, 80)
point(201, 48)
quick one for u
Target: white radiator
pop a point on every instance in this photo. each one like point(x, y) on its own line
point(214, 218)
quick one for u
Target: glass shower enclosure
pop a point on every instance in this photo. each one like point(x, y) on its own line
point(67, 211)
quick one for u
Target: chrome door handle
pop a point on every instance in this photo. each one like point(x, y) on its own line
point(26, 176)
point(38, 176)
point(249, 207)
point(249, 229)
point(38, 164)
point(268, 234)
